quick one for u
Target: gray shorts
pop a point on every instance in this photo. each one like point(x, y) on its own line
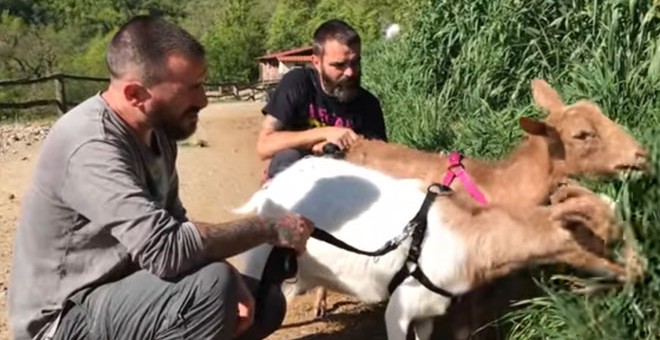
point(201, 305)
point(283, 159)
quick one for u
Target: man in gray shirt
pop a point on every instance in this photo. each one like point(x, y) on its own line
point(104, 249)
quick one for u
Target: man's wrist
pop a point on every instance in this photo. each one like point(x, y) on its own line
point(267, 226)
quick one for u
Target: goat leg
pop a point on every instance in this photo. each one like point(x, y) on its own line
point(568, 189)
point(320, 304)
point(423, 328)
point(585, 286)
point(397, 316)
point(588, 261)
point(635, 263)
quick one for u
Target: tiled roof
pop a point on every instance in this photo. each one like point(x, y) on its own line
point(296, 58)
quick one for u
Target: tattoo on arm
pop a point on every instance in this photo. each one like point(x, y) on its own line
point(228, 239)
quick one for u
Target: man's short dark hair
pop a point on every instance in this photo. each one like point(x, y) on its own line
point(142, 45)
point(334, 29)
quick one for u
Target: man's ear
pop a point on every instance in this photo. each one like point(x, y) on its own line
point(316, 61)
point(533, 126)
point(135, 94)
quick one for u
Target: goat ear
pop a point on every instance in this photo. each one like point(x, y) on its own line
point(545, 96)
point(533, 126)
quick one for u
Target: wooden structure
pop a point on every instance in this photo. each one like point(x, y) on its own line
point(272, 66)
point(220, 91)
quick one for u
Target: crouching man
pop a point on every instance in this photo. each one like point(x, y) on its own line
point(104, 249)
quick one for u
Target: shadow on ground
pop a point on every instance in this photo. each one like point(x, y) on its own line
point(368, 323)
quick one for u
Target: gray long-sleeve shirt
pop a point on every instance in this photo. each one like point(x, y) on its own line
point(101, 204)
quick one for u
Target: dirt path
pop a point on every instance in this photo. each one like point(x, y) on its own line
point(214, 179)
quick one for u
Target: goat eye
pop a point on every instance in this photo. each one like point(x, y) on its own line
point(583, 135)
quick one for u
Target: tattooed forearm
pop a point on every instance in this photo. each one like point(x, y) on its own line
point(231, 238)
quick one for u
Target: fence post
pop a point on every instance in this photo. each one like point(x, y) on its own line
point(60, 94)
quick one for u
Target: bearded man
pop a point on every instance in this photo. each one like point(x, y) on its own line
point(312, 106)
point(104, 248)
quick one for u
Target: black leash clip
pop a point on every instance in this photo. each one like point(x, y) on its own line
point(332, 150)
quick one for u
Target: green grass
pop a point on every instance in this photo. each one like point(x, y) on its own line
point(461, 78)
point(632, 312)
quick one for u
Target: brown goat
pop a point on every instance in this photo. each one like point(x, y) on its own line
point(578, 223)
point(575, 139)
point(574, 229)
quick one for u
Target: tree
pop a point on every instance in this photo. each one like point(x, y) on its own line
point(288, 26)
point(101, 16)
point(32, 50)
point(234, 42)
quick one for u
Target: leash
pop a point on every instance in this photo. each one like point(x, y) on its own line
point(390, 245)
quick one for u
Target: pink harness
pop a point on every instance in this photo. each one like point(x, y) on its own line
point(456, 169)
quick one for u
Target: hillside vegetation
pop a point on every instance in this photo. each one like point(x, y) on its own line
point(461, 78)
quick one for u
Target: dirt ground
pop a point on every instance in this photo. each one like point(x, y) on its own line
point(214, 179)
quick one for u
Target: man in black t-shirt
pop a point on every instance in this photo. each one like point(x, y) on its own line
point(312, 106)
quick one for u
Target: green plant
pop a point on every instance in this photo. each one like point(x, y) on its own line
point(460, 78)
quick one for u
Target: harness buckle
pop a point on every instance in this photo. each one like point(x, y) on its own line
point(439, 189)
point(455, 159)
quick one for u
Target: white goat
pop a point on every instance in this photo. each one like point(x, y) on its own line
point(463, 246)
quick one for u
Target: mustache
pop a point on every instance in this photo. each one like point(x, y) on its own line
point(347, 81)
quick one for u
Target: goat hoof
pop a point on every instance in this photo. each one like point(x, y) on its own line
point(591, 288)
point(635, 266)
point(321, 313)
point(585, 286)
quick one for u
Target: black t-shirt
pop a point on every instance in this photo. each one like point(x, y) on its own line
point(300, 103)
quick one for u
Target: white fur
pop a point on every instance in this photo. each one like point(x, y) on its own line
point(365, 208)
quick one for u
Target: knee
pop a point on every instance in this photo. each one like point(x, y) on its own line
point(209, 303)
point(289, 155)
point(283, 159)
point(217, 281)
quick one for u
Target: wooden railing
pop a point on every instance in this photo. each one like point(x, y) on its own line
point(214, 91)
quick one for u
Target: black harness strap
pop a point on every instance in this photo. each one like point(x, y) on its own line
point(418, 233)
point(417, 228)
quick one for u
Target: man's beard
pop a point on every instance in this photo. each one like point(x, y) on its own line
point(176, 128)
point(345, 89)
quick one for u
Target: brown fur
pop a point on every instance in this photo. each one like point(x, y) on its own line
point(575, 139)
point(574, 230)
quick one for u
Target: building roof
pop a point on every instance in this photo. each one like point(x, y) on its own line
point(295, 58)
point(305, 51)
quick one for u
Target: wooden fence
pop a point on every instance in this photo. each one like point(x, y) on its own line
point(219, 91)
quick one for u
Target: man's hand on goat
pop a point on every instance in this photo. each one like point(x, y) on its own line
point(291, 231)
point(317, 149)
point(342, 137)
